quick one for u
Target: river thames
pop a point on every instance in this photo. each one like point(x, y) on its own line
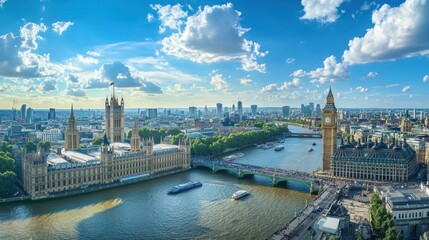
point(145, 211)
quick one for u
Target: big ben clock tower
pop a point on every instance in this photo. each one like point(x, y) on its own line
point(329, 131)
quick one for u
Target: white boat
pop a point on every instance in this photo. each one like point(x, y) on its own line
point(233, 157)
point(310, 150)
point(239, 194)
point(279, 148)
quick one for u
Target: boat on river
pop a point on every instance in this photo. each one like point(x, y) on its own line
point(310, 150)
point(184, 187)
point(239, 194)
point(267, 145)
point(314, 144)
point(279, 148)
point(233, 157)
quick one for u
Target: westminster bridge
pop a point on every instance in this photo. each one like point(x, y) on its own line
point(277, 175)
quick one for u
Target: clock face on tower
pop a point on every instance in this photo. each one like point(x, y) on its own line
point(327, 120)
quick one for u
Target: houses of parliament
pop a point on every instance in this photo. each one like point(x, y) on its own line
point(48, 173)
point(390, 160)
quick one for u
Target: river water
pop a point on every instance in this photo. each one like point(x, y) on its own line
point(145, 211)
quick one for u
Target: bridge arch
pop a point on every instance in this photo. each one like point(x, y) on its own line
point(229, 170)
point(203, 167)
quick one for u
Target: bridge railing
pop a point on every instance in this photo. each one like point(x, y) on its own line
point(254, 169)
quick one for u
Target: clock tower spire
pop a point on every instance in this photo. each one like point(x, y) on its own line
point(329, 131)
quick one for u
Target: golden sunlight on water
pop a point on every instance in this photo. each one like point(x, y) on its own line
point(62, 224)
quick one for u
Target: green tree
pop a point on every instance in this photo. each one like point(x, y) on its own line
point(335, 238)
point(7, 163)
point(45, 145)
point(7, 184)
point(390, 234)
point(31, 147)
point(4, 147)
point(176, 139)
point(399, 236)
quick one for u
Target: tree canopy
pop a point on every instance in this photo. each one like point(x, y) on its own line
point(217, 144)
point(156, 134)
point(382, 221)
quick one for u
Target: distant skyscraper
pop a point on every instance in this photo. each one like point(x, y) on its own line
point(219, 110)
point(51, 114)
point(233, 107)
point(152, 113)
point(23, 112)
point(29, 117)
point(206, 111)
point(286, 111)
point(311, 108)
point(240, 109)
point(193, 111)
point(254, 109)
point(414, 114)
point(318, 110)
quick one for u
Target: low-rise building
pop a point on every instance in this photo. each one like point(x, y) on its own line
point(409, 206)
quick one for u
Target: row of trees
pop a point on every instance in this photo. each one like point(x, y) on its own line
point(32, 147)
point(382, 221)
point(216, 145)
point(295, 120)
point(7, 171)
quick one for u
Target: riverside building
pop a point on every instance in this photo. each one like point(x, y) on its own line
point(46, 174)
point(392, 162)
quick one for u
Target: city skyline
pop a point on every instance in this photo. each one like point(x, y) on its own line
point(179, 54)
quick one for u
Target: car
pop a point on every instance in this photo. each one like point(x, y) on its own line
point(309, 228)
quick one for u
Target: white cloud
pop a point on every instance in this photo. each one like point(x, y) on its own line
point(60, 27)
point(218, 82)
point(29, 34)
point(170, 16)
point(176, 88)
point(299, 73)
point(371, 75)
point(398, 32)
point(95, 83)
point(290, 60)
point(246, 81)
point(93, 54)
point(75, 92)
point(366, 6)
point(406, 88)
point(73, 79)
point(331, 71)
point(149, 87)
point(214, 34)
point(48, 85)
point(2, 2)
point(86, 60)
point(7, 87)
point(149, 17)
point(426, 78)
point(286, 85)
point(17, 58)
point(119, 74)
point(292, 84)
point(324, 11)
point(361, 89)
point(269, 88)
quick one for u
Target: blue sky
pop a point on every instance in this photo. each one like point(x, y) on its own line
point(196, 53)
